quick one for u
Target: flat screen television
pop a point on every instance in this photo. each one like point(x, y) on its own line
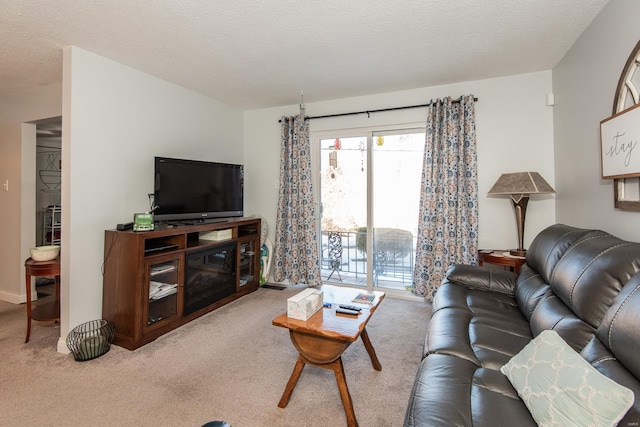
point(197, 190)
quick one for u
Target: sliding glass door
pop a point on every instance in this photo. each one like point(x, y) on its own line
point(397, 170)
point(369, 194)
point(343, 201)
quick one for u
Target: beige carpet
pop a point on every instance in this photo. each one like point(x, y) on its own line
point(230, 364)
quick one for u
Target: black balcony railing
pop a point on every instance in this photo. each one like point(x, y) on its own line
point(344, 255)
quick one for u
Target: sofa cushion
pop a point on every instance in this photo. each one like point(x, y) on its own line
point(449, 391)
point(561, 388)
point(552, 313)
point(530, 289)
point(451, 295)
point(484, 328)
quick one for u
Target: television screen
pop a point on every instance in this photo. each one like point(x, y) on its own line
point(193, 189)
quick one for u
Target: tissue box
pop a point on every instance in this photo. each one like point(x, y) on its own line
point(302, 306)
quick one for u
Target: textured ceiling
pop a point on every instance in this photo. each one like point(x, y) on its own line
point(262, 53)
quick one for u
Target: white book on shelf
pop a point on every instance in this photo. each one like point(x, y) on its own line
point(159, 290)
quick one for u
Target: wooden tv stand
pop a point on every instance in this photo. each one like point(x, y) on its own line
point(156, 281)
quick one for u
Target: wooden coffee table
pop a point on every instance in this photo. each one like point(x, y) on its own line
point(323, 338)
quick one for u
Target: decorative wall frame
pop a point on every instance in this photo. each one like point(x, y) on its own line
point(627, 95)
point(619, 149)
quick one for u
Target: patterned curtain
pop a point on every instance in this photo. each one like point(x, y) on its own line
point(448, 219)
point(296, 243)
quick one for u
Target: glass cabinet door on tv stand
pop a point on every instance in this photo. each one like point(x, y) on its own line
point(247, 273)
point(163, 288)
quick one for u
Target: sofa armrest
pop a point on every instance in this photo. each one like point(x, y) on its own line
point(485, 279)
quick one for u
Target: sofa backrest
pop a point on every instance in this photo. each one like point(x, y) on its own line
point(532, 285)
point(550, 245)
point(619, 330)
point(613, 350)
point(571, 278)
point(592, 272)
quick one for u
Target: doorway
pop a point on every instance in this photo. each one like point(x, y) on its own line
point(369, 181)
point(48, 181)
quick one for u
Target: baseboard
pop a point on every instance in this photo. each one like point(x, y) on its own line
point(16, 298)
point(273, 286)
point(62, 346)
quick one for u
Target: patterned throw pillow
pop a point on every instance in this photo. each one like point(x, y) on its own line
point(560, 388)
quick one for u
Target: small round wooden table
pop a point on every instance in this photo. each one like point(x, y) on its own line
point(501, 257)
point(49, 311)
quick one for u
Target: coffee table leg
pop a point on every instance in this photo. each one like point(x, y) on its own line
point(297, 370)
point(372, 353)
point(338, 370)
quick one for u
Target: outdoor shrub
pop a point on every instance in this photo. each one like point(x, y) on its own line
point(391, 243)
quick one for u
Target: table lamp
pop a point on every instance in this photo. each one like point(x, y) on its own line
point(519, 186)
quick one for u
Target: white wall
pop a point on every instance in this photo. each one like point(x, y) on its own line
point(514, 133)
point(17, 166)
point(115, 120)
point(585, 83)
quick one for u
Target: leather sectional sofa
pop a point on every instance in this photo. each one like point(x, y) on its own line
point(580, 283)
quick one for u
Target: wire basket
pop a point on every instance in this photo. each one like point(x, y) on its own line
point(91, 339)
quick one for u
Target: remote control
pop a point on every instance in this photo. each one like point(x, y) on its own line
point(347, 312)
point(350, 307)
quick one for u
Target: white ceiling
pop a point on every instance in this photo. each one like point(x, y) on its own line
point(262, 53)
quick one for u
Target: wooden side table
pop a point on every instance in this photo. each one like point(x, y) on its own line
point(501, 257)
point(49, 311)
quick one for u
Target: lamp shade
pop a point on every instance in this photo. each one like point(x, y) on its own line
point(521, 183)
point(519, 186)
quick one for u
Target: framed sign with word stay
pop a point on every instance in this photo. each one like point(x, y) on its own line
point(619, 138)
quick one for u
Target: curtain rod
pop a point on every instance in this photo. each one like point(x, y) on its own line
point(368, 112)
